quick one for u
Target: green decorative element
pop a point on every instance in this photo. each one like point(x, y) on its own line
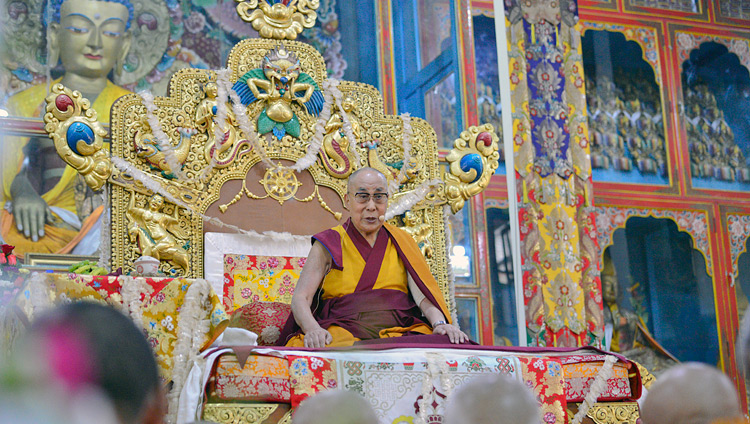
point(292, 127)
point(307, 79)
point(265, 124)
point(397, 165)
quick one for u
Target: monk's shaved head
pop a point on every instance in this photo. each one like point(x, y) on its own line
point(495, 399)
point(335, 407)
point(354, 178)
point(691, 393)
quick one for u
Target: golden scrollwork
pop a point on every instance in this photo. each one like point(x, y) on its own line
point(419, 230)
point(78, 136)
point(614, 413)
point(646, 377)
point(286, 419)
point(238, 413)
point(279, 21)
point(473, 161)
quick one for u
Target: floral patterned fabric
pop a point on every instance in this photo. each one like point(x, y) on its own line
point(266, 319)
point(249, 278)
point(399, 386)
point(405, 384)
point(263, 378)
point(309, 375)
point(544, 376)
point(579, 376)
point(160, 304)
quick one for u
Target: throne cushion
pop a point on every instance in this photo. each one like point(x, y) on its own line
point(253, 278)
point(230, 258)
point(266, 319)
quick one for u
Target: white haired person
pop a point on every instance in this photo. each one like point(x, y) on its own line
point(335, 407)
point(492, 399)
point(692, 393)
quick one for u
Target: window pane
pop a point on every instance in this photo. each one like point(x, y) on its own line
point(716, 91)
point(468, 316)
point(625, 113)
point(461, 255)
point(501, 275)
point(658, 298)
point(434, 29)
point(489, 106)
point(440, 110)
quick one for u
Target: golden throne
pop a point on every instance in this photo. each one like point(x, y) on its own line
point(172, 179)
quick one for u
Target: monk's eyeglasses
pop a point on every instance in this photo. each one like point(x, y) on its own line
point(378, 198)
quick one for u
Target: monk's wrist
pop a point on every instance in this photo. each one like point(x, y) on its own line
point(438, 323)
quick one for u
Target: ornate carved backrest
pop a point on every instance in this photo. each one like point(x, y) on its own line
point(262, 182)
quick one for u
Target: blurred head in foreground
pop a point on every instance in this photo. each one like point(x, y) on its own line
point(492, 399)
point(335, 407)
point(82, 363)
point(691, 393)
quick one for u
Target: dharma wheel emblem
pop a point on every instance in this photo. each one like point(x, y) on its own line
point(280, 183)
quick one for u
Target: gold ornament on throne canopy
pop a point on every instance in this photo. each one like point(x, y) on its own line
point(279, 21)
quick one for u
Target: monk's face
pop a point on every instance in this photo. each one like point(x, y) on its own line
point(91, 36)
point(367, 200)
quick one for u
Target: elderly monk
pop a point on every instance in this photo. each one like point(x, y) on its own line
point(366, 280)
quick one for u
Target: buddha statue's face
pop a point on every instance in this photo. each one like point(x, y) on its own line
point(91, 36)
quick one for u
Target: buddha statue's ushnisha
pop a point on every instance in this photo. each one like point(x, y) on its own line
point(48, 209)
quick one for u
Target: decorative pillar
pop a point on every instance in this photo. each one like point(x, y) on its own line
point(559, 250)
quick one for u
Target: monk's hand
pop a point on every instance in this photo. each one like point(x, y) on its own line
point(318, 337)
point(31, 212)
point(454, 334)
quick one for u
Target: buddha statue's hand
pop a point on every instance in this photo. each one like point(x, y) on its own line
point(31, 212)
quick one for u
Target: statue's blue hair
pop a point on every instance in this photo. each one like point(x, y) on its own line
point(52, 11)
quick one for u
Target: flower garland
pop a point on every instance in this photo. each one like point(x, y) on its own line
point(597, 388)
point(162, 139)
point(148, 182)
point(193, 326)
point(407, 132)
point(38, 293)
point(105, 238)
point(132, 293)
point(407, 201)
point(245, 125)
point(437, 366)
point(448, 246)
point(329, 87)
point(154, 186)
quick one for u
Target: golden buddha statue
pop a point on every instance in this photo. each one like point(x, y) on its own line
point(90, 38)
point(157, 233)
